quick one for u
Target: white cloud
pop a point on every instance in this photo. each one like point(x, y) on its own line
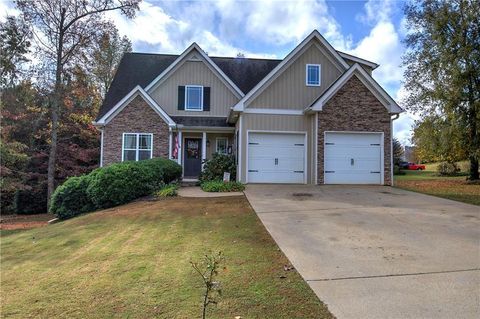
point(216, 25)
point(7, 9)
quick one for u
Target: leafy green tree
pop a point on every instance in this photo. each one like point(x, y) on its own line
point(109, 50)
point(64, 33)
point(442, 74)
point(15, 43)
point(437, 140)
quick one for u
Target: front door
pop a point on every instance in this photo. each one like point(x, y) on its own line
point(192, 157)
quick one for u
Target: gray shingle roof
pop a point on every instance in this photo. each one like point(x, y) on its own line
point(142, 68)
point(201, 121)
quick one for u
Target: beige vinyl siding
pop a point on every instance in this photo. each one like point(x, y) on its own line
point(289, 90)
point(278, 123)
point(194, 73)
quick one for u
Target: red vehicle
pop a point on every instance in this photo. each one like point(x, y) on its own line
point(416, 167)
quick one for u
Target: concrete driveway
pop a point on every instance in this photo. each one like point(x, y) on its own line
point(377, 252)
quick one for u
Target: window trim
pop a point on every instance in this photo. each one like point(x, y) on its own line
point(137, 144)
point(201, 98)
point(226, 145)
point(319, 74)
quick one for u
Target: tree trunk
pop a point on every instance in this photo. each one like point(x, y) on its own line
point(52, 157)
point(473, 168)
point(57, 100)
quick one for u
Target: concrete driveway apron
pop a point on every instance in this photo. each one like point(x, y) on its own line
point(377, 252)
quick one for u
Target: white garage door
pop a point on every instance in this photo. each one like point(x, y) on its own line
point(353, 158)
point(276, 158)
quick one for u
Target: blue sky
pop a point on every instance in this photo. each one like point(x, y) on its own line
point(369, 29)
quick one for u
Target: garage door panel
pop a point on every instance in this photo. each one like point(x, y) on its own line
point(353, 158)
point(275, 151)
point(275, 177)
point(276, 158)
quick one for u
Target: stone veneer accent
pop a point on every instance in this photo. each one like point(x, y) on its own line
point(354, 108)
point(136, 117)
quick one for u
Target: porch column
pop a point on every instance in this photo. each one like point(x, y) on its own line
point(204, 147)
point(180, 147)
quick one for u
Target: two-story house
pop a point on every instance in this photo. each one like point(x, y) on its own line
point(315, 117)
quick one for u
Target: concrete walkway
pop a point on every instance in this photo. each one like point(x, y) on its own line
point(196, 191)
point(377, 252)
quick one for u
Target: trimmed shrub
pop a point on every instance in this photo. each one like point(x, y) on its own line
point(113, 185)
point(121, 183)
point(220, 186)
point(214, 168)
point(448, 169)
point(71, 199)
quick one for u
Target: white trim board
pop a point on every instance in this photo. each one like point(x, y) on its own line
point(314, 35)
point(194, 46)
point(249, 110)
point(367, 80)
point(114, 111)
point(347, 56)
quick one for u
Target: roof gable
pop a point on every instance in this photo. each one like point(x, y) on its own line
point(194, 48)
point(294, 54)
point(367, 80)
point(142, 68)
point(137, 91)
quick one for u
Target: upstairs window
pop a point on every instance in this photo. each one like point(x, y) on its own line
point(194, 98)
point(137, 146)
point(313, 75)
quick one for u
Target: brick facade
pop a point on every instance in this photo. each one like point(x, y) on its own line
point(354, 108)
point(136, 117)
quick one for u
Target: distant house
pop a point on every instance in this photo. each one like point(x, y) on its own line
point(315, 117)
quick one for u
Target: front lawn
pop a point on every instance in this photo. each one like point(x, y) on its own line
point(132, 261)
point(429, 182)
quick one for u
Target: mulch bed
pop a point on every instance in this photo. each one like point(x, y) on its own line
point(9, 222)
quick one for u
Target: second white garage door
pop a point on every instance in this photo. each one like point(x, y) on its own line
point(276, 158)
point(353, 158)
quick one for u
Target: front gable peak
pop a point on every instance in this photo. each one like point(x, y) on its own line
point(194, 53)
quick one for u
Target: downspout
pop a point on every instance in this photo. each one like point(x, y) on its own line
point(395, 117)
point(100, 127)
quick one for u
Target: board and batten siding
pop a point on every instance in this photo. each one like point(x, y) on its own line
point(194, 73)
point(289, 90)
point(278, 123)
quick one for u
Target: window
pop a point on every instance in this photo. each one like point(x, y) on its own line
point(222, 145)
point(137, 146)
point(313, 74)
point(194, 98)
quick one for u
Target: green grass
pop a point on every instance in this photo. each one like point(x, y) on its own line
point(133, 262)
point(429, 182)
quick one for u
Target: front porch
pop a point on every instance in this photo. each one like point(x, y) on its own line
point(190, 147)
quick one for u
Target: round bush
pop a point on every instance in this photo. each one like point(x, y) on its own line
point(448, 169)
point(112, 185)
point(71, 198)
point(123, 182)
point(214, 168)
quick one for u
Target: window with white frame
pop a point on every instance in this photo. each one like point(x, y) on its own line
point(222, 145)
point(137, 146)
point(194, 98)
point(313, 74)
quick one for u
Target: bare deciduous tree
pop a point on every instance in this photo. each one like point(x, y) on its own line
point(64, 31)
